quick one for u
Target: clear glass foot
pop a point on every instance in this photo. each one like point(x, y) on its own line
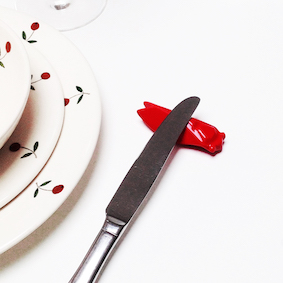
point(63, 14)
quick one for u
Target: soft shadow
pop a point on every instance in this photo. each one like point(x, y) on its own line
point(25, 246)
point(201, 149)
point(21, 134)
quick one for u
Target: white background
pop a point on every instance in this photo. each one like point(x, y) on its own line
point(210, 219)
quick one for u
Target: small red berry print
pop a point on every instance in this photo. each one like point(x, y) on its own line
point(66, 101)
point(8, 47)
point(16, 146)
point(35, 26)
point(45, 76)
point(58, 189)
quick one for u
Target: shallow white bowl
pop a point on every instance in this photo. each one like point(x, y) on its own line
point(14, 81)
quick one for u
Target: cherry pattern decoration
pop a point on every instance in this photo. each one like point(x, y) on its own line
point(44, 76)
point(17, 146)
point(8, 49)
point(55, 190)
point(80, 93)
point(34, 26)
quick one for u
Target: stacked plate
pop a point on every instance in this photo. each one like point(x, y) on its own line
point(50, 119)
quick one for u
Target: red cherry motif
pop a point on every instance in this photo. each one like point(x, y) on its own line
point(45, 76)
point(58, 189)
point(35, 26)
point(66, 101)
point(8, 47)
point(15, 147)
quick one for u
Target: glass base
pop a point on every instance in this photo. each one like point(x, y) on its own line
point(63, 14)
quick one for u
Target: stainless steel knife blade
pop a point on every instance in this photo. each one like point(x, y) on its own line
point(134, 189)
point(146, 168)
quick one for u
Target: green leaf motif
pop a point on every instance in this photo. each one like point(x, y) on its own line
point(26, 155)
point(2, 65)
point(45, 183)
point(35, 147)
point(24, 35)
point(79, 89)
point(36, 192)
point(80, 99)
point(32, 41)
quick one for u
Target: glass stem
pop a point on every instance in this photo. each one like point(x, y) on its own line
point(60, 4)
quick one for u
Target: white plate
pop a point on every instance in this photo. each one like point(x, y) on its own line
point(31, 144)
point(77, 141)
point(15, 81)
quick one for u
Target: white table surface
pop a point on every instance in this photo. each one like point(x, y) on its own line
point(204, 223)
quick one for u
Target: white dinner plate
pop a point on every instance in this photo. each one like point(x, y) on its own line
point(78, 137)
point(15, 81)
point(35, 137)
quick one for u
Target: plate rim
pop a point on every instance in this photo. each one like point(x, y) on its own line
point(81, 142)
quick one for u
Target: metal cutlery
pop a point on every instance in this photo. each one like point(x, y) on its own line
point(134, 189)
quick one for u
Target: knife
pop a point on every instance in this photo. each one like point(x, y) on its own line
point(134, 189)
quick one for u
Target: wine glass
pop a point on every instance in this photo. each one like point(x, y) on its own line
point(63, 14)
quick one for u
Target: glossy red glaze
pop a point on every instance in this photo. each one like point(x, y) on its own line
point(58, 189)
point(197, 133)
point(45, 76)
point(66, 101)
point(34, 26)
point(8, 47)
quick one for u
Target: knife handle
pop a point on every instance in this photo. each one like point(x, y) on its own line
point(96, 256)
